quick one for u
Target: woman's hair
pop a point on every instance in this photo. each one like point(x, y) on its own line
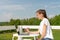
point(42, 11)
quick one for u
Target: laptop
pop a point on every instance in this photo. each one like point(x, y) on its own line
point(20, 31)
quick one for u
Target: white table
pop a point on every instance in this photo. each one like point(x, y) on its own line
point(20, 36)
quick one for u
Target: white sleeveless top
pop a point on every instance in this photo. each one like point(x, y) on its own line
point(48, 31)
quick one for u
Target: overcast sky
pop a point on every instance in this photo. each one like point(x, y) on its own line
point(26, 8)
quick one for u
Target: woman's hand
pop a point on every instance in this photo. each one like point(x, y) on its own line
point(27, 30)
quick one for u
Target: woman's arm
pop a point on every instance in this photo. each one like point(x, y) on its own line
point(43, 32)
point(37, 32)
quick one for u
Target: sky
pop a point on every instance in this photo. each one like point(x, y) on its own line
point(22, 9)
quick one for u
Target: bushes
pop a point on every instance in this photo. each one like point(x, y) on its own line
point(31, 21)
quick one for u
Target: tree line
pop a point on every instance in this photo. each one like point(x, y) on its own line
point(31, 21)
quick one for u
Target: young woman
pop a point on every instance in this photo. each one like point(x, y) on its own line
point(44, 28)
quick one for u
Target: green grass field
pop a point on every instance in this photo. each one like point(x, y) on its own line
point(8, 36)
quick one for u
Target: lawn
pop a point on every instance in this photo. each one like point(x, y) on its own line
point(8, 36)
point(56, 34)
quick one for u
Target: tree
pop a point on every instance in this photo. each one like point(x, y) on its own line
point(55, 20)
point(34, 21)
point(15, 22)
point(12, 22)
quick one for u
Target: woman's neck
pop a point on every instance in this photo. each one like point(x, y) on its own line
point(42, 18)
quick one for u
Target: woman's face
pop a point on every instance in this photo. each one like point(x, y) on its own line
point(39, 16)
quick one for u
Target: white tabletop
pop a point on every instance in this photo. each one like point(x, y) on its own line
point(30, 35)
